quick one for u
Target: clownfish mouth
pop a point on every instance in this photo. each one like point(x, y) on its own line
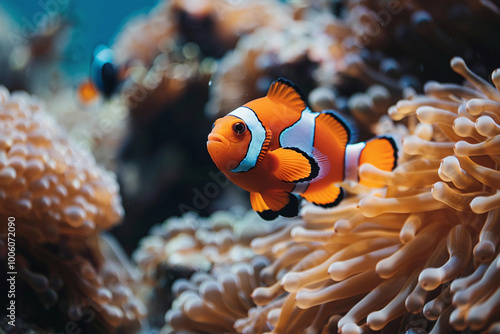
point(215, 138)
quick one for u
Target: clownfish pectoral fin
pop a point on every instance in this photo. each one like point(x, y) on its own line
point(340, 127)
point(381, 152)
point(327, 197)
point(273, 203)
point(293, 165)
point(284, 91)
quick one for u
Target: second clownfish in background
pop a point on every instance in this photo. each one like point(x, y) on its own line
point(105, 76)
point(276, 147)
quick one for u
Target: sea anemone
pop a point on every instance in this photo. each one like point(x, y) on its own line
point(60, 201)
point(419, 253)
point(217, 248)
point(200, 243)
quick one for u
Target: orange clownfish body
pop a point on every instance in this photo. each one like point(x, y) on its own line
point(276, 147)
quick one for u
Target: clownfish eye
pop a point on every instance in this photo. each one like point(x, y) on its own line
point(239, 127)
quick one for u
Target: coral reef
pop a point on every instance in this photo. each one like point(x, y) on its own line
point(60, 201)
point(348, 47)
point(420, 253)
point(258, 59)
point(177, 42)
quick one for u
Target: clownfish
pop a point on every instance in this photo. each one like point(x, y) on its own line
point(104, 79)
point(277, 148)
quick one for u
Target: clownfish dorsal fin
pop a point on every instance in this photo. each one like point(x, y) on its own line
point(342, 129)
point(284, 91)
point(265, 146)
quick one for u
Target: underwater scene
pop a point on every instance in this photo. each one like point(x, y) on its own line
point(250, 166)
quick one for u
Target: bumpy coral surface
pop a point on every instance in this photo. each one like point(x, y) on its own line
point(420, 253)
point(44, 178)
point(61, 200)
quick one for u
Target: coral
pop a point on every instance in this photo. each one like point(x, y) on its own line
point(292, 50)
point(61, 201)
point(155, 89)
point(214, 26)
point(144, 36)
point(45, 178)
point(100, 126)
point(183, 39)
point(420, 253)
point(366, 43)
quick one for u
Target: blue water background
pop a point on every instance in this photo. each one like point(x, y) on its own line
point(92, 22)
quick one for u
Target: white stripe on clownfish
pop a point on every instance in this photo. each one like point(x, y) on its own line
point(301, 133)
point(258, 136)
point(352, 154)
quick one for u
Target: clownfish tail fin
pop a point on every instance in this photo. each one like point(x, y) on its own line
point(381, 152)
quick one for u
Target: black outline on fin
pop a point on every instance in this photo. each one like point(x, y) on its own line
point(314, 166)
point(348, 124)
point(339, 199)
point(291, 209)
point(394, 147)
point(268, 214)
point(292, 85)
